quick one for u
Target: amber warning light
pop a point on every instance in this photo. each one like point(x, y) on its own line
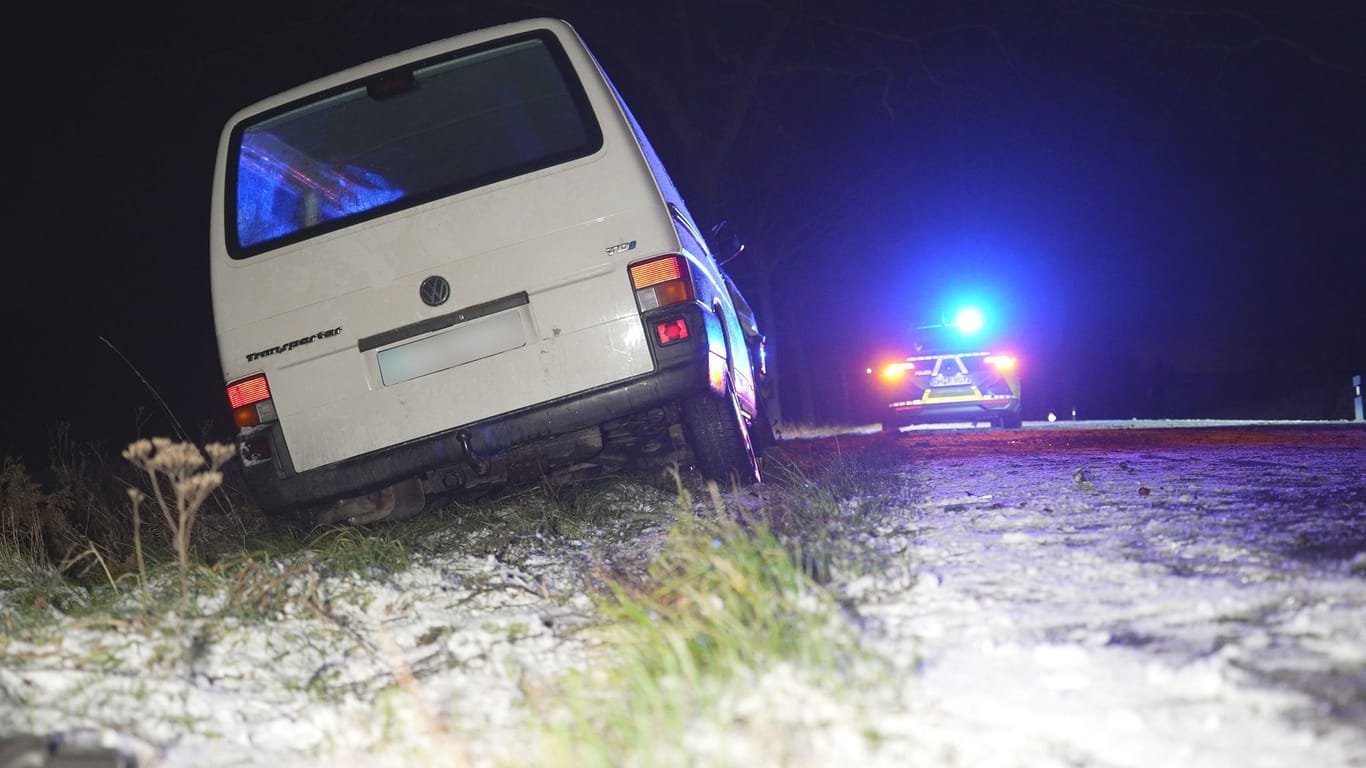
point(647, 273)
point(660, 282)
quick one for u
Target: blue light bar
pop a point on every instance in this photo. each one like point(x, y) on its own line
point(968, 320)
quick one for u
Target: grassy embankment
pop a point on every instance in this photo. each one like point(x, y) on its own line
point(739, 593)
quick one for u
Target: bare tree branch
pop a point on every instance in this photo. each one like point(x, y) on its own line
point(1262, 34)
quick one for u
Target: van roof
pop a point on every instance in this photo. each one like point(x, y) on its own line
point(401, 58)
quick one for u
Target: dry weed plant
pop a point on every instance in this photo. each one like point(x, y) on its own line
point(191, 475)
point(33, 524)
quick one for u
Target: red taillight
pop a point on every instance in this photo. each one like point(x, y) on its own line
point(250, 401)
point(660, 282)
point(671, 331)
point(248, 391)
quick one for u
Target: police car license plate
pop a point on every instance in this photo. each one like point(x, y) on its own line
point(950, 381)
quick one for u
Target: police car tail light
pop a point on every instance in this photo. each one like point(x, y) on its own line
point(897, 370)
point(661, 282)
point(250, 401)
point(1001, 362)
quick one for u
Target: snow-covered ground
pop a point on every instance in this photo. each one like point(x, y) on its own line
point(1181, 603)
point(1143, 598)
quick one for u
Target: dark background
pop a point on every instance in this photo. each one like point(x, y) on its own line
point(1161, 206)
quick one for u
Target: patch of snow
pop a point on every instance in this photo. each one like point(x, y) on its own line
point(1045, 612)
point(1168, 634)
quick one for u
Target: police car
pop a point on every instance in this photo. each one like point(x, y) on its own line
point(951, 377)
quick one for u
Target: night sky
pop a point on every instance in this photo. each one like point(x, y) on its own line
point(1162, 210)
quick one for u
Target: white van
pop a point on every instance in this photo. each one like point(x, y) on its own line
point(449, 263)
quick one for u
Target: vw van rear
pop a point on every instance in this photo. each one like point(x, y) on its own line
point(453, 261)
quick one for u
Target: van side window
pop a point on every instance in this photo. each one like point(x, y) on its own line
point(403, 138)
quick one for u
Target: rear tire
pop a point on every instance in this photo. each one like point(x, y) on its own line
point(719, 438)
point(1011, 421)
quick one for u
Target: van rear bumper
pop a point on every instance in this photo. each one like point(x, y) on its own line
point(682, 370)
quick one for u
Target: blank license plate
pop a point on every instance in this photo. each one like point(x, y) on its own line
point(462, 344)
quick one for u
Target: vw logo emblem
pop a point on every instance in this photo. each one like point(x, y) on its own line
point(434, 291)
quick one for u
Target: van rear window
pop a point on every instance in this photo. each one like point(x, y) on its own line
point(403, 138)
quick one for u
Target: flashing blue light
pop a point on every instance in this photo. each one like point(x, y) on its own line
point(969, 320)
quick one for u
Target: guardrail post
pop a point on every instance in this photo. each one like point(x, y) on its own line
point(1356, 387)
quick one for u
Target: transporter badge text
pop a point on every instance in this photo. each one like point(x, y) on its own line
point(288, 345)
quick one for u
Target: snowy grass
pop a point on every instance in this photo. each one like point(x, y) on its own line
point(257, 585)
point(723, 604)
point(735, 601)
point(706, 602)
point(86, 521)
point(872, 600)
point(121, 543)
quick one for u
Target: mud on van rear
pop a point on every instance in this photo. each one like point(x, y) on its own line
point(440, 266)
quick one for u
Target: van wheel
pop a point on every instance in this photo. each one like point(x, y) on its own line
point(1011, 421)
point(719, 438)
